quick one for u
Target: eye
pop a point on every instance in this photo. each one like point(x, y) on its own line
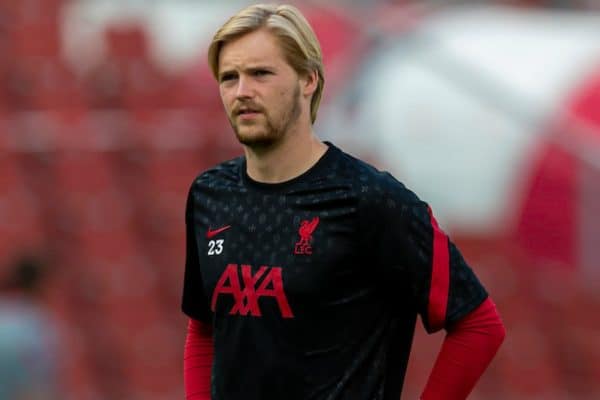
point(261, 72)
point(227, 77)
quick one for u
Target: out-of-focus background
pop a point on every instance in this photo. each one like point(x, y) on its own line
point(490, 111)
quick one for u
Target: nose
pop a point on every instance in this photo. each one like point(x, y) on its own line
point(244, 88)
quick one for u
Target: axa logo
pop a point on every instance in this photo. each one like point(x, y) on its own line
point(306, 230)
point(265, 282)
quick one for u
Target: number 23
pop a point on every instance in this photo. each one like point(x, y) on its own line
point(215, 247)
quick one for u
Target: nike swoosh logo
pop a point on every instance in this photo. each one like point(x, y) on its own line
point(211, 233)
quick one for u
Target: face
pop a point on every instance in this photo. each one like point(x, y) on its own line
point(259, 89)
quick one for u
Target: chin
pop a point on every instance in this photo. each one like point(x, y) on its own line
point(257, 139)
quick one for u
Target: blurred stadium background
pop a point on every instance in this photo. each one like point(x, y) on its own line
point(490, 111)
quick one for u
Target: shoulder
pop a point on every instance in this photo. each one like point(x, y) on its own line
point(220, 176)
point(216, 181)
point(375, 186)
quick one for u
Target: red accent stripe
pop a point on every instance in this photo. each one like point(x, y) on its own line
point(440, 277)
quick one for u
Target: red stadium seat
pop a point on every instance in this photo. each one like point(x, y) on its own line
point(21, 230)
point(109, 272)
point(31, 11)
point(40, 40)
point(119, 281)
point(43, 83)
point(128, 78)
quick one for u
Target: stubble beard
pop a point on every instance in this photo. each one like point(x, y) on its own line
point(273, 131)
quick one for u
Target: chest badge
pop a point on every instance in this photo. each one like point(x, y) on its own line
point(306, 230)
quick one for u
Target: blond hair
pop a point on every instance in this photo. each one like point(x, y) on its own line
point(298, 41)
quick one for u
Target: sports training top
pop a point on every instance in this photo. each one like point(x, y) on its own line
point(313, 285)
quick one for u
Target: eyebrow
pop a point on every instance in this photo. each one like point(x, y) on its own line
point(252, 68)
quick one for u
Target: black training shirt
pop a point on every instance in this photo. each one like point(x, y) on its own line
point(313, 285)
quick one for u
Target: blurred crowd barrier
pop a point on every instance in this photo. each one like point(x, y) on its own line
point(95, 165)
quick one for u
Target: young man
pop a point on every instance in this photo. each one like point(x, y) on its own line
point(306, 268)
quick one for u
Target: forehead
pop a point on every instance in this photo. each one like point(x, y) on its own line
point(256, 47)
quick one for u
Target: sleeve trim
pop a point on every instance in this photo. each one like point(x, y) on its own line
point(440, 277)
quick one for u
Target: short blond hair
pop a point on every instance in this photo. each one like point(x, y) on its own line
point(298, 41)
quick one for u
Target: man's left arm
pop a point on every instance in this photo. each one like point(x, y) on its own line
point(447, 294)
point(467, 350)
point(473, 337)
point(419, 259)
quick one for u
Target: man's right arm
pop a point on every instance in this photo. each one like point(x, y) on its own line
point(199, 345)
point(197, 360)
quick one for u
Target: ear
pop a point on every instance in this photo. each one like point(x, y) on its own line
point(309, 83)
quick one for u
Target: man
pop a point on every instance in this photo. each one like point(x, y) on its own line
point(29, 338)
point(306, 268)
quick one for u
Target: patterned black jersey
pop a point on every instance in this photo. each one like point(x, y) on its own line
point(313, 286)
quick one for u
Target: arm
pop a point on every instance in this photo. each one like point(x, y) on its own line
point(197, 360)
point(415, 252)
point(467, 350)
point(199, 345)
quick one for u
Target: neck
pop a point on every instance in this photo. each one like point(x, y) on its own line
point(290, 157)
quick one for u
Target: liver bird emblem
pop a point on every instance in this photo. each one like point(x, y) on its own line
point(306, 230)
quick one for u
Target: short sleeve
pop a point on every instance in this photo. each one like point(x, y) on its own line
point(194, 301)
point(420, 264)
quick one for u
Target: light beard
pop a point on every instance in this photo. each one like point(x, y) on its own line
point(273, 131)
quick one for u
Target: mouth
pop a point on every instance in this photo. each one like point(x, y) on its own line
point(247, 113)
point(246, 108)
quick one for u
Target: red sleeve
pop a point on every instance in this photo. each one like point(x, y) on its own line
point(466, 352)
point(197, 360)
